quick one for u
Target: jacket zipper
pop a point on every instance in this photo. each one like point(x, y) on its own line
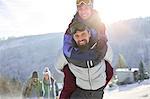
point(90, 82)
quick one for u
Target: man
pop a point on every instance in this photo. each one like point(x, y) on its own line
point(49, 86)
point(33, 87)
point(90, 78)
point(88, 16)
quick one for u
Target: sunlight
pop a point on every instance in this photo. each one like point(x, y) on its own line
point(106, 10)
point(32, 17)
point(115, 10)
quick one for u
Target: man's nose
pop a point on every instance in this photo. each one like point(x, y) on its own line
point(80, 38)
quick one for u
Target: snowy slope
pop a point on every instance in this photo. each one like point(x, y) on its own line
point(130, 91)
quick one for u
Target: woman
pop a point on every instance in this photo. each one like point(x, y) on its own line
point(49, 85)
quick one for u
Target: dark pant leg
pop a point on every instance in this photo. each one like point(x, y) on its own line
point(69, 83)
point(87, 94)
point(98, 94)
point(78, 94)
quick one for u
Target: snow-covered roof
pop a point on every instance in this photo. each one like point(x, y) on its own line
point(127, 69)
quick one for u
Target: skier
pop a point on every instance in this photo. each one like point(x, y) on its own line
point(90, 76)
point(49, 86)
point(88, 16)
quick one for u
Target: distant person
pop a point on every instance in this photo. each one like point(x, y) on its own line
point(33, 87)
point(49, 86)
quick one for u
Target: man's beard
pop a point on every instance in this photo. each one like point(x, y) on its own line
point(83, 47)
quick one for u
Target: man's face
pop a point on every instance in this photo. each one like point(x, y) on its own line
point(82, 38)
point(84, 11)
point(34, 81)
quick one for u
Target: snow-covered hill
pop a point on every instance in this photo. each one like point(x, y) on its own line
point(20, 56)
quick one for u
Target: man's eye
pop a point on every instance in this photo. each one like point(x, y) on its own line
point(76, 36)
point(84, 34)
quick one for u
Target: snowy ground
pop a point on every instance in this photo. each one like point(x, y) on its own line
point(131, 91)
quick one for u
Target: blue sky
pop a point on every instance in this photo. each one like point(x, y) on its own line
point(32, 17)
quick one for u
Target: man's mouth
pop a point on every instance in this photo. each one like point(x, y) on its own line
point(82, 42)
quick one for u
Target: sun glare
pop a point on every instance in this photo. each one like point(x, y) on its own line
point(115, 10)
point(32, 17)
point(105, 11)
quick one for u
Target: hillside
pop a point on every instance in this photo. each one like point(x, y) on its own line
point(20, 56)
point(132, 39)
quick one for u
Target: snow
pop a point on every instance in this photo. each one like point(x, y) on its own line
point(137, 90)
point(131, 91)
point(126, 69)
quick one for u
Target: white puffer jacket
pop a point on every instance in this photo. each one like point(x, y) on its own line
point(87, 78)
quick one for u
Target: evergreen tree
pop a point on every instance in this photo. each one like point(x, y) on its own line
point(121, 62)
point(141, 70)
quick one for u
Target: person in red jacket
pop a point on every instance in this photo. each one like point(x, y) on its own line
point(88, 16)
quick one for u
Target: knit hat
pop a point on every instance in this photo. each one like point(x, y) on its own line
point(77, 26)
point(47, 71)
point(35, 74)
point(86, 2)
